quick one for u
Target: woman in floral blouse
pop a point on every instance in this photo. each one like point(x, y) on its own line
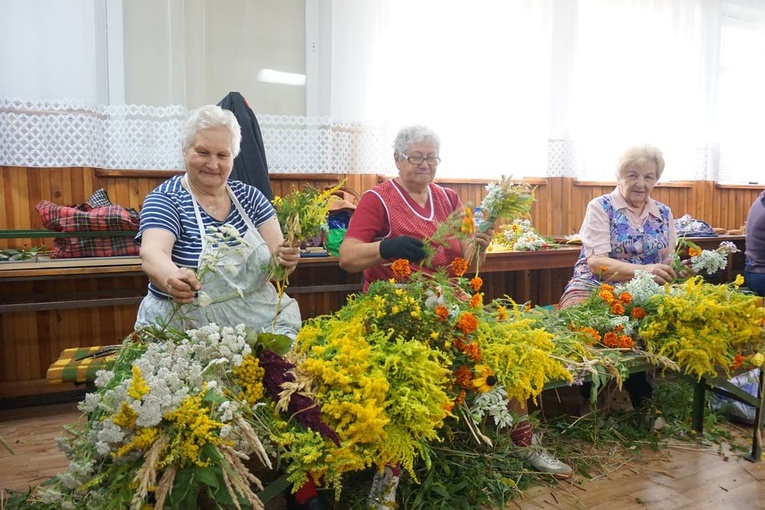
point(622, 232)
point(625, 230)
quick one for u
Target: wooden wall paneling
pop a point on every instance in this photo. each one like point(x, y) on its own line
point(710, 205)
point(48, 352)
point(77, 186)
point(17, 204)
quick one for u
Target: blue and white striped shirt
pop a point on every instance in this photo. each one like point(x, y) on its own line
point(170, 207)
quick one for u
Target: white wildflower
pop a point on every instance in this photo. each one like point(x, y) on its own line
point(494, 404)
point(103, 377)
point(91, 403)
point(204, 299)
point(641, 287)
point(709, 261)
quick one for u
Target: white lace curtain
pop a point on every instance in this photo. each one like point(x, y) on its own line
point(75, 133)
point(522, 88)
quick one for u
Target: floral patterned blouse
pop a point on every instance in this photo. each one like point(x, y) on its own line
point(651, 242)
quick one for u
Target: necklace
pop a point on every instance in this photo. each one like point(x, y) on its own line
point(211, 207)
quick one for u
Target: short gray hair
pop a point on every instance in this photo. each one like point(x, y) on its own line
point(409, 135)
point(211, 117)
point(639, 155)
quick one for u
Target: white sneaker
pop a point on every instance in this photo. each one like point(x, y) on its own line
point(382, 496)
point(542, 461)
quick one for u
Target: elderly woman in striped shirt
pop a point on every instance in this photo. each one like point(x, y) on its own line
point(176, 220)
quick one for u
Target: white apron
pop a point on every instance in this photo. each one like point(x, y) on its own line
point(246, 269)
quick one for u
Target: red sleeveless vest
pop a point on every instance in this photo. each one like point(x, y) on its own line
point(405, 221)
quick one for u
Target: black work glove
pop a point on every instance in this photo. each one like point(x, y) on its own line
point(403, 247)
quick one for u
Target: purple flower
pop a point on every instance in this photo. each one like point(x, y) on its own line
point(304, 409)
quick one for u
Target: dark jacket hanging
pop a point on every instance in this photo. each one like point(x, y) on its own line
point(250, 166)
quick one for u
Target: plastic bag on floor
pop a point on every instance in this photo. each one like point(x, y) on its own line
point(749, 382)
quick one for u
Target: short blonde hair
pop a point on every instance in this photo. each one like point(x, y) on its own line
point(639, 155)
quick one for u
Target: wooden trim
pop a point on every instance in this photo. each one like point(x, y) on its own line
point(106, 172)
point(535, 181)
point(70, 304)
point(306, 177)
point(739, 186)
point(670, 184)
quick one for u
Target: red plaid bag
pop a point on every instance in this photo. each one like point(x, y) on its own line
point(85, 218)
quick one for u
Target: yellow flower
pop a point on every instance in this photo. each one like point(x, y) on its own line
point(485, 380)
point(757, 360)
point(739, 281)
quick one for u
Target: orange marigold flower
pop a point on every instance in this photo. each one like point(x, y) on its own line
point(638, 313)
point(693, 252)
point(618, 328)
point(625, 297)
point(442, 312)
point(607, 296)
point(467, 323)
point(473, 352)
point(625, 342)
point(610, 339)
point(401, 268)
point(463, 377)
point(591, 333)
point(476, 301)
point(603, 269)
point(459, 266)
point(608, 287)
point(617, 308)
point(501, 313)
point(738, 360)
point(476, 282)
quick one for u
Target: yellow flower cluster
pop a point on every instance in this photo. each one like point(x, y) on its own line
point(142, 440)
point(249, 377)
point(703, 326)
point(519, 351)
point(381, 389)
point(138, 386)
point(193, 430)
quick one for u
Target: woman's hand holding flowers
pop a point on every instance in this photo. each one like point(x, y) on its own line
point(483, 238)
point(287, 255)
point(662, 273)
point(402, 247)
point(182, 285)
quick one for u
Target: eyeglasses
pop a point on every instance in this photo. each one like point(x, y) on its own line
point(417, 160)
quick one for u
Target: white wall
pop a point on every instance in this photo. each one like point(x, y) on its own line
point(48, 50)
point(187, 52)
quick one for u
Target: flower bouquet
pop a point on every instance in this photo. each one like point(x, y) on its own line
point(177, 422)
point(695, 327)
point(505, 200)
point(519, 235)
point(396, 369)
point(302, 214)
point(702, 261)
